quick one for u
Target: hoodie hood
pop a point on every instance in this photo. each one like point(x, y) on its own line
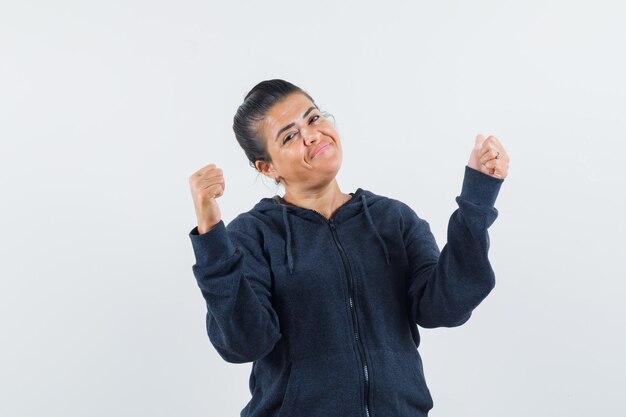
point(277, 207)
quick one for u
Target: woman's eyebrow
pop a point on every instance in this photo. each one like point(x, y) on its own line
point(290, 125)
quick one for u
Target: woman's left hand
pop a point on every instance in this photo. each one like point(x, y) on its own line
point(489, 157)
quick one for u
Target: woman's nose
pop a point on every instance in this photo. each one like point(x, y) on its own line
point(310, 136)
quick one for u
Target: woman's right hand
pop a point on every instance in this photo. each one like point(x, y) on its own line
point(207, 184)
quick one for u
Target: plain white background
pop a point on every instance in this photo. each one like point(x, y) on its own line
point(107, 108)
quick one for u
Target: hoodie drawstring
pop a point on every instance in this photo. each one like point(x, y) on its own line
point(371, 223)
point(288, 230)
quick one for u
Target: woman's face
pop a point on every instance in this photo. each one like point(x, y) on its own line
point(304, 146)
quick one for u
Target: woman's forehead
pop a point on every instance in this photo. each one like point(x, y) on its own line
point(289, 110)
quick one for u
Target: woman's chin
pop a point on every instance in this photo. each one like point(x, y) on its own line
point(328, 164)
point(331, 172)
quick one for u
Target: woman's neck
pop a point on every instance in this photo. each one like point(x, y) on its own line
point(324, 200)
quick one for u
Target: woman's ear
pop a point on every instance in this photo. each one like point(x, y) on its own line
point(266, 168)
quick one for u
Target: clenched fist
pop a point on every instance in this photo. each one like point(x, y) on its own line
point(489, 157)
point(207, 184)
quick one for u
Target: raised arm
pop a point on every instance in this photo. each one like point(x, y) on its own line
point(235, 281)
point(445, 287)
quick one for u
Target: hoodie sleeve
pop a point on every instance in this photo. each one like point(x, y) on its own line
point(234, 279)
point(446, 286)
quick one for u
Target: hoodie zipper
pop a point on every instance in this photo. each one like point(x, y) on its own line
point(355, 321)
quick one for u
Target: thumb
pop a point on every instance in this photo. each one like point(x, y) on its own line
point(479, 141)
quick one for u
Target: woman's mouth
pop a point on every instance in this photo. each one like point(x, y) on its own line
point(319, 150)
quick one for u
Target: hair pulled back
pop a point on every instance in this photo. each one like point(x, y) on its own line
point(255, 107)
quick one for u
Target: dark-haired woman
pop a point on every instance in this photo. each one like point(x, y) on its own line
point(323, 290)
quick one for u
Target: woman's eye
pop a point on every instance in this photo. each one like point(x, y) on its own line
point(288, 137)
point(314, 118)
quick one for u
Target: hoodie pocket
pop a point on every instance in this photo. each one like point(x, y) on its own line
point(324, 386)
point(398, 383)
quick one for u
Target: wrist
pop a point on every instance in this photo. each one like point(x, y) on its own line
point(205, 227)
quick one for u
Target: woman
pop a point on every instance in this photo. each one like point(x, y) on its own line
point(322, 290)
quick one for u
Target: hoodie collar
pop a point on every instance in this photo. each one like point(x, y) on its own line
point(356, 205)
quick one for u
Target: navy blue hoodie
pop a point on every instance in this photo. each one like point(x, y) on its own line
point(327, 309)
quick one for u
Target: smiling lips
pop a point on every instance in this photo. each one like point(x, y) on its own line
point(319, 149)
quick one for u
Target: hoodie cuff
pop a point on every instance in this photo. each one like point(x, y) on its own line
point(212, 245)
point(480, 188)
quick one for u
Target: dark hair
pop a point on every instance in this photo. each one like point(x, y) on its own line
point(255, 106)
